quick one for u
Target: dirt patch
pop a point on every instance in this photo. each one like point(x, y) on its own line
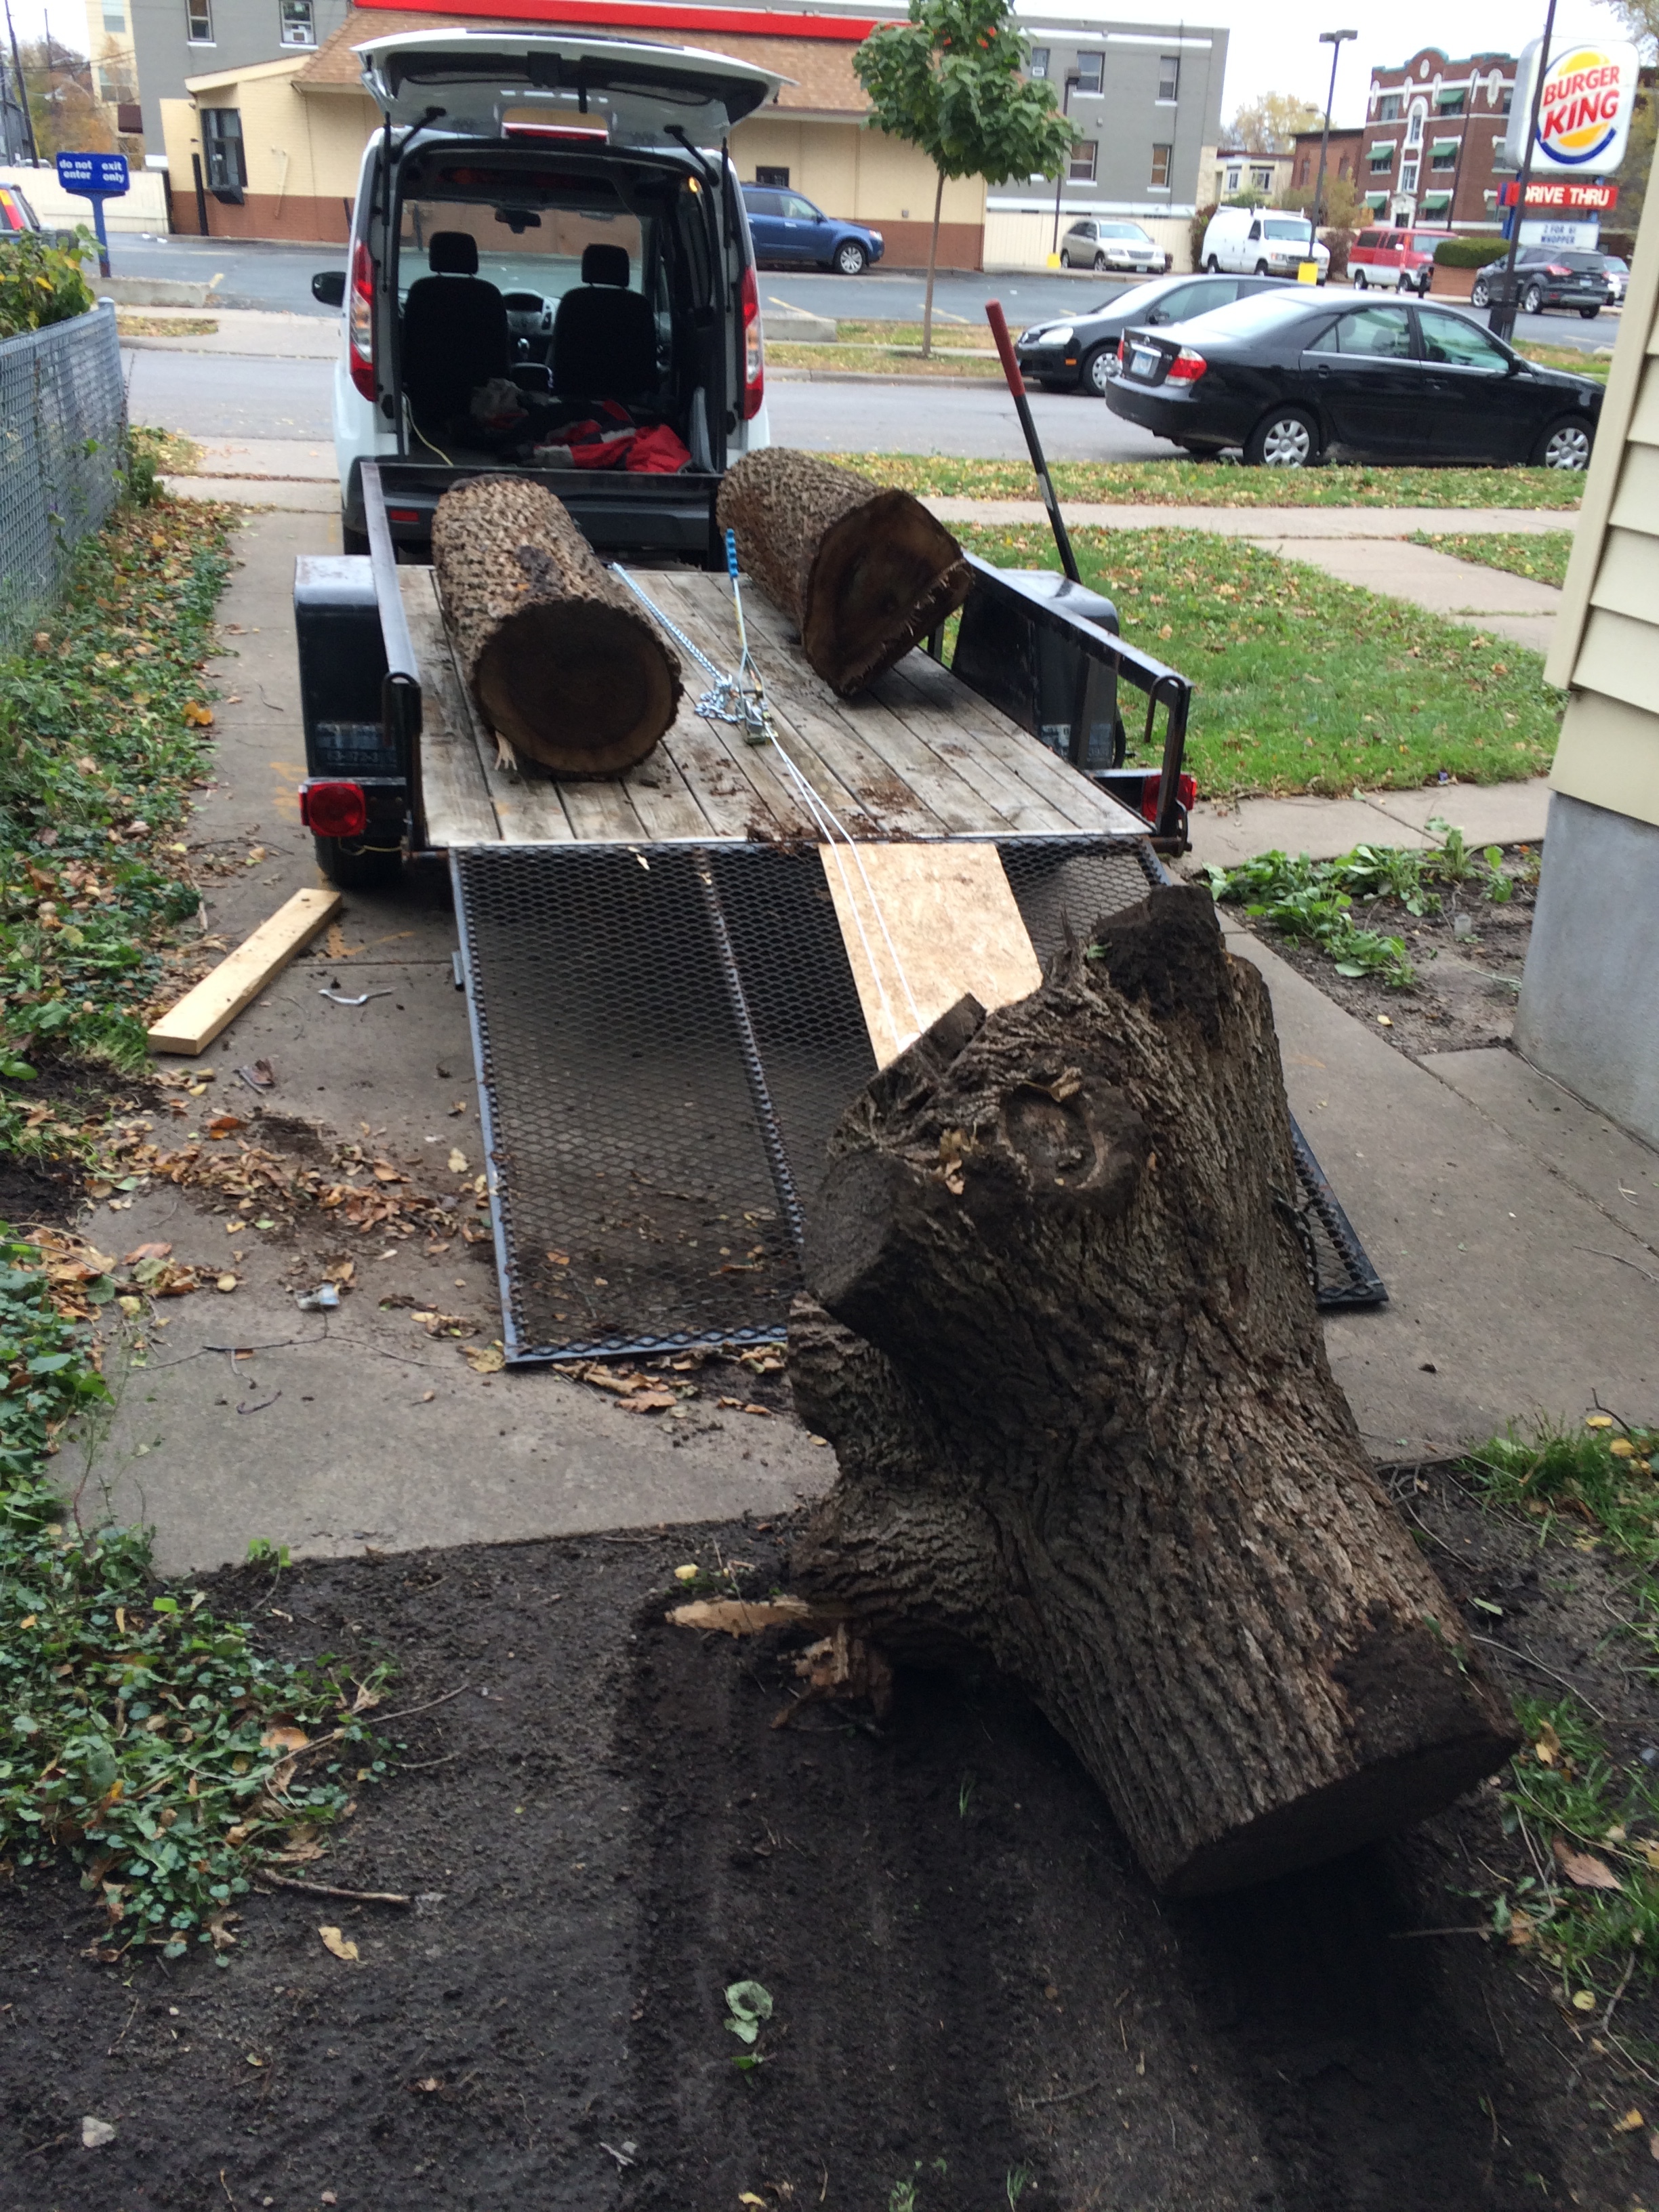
point(1466, 986)
point(970, 1979)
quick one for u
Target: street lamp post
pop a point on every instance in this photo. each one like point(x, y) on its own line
point(1501, 320)
point(1333, 40)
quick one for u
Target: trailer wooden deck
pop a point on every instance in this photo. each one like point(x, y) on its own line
point(920, 755)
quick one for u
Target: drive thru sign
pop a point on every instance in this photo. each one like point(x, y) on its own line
point(97, 178)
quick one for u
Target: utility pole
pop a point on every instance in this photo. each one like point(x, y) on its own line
point(1333, 40)
point(1505, 307)
point(22, 88)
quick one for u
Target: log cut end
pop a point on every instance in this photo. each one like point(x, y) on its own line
point(865, 573)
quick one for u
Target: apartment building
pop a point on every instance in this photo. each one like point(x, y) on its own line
point(1433, 133)
point(168, 41)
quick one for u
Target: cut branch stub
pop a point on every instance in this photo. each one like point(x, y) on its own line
point(1079, 1391)
point(563, 661)
point(864, 573)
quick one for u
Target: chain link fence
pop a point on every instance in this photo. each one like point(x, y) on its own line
point(62, 417)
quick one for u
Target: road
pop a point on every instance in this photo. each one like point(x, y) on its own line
point(219, 396)
point(279, 275)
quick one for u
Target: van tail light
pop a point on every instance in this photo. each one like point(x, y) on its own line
point(339, 810)
point(1186, 792)
point(754, 348)
point(1186, 367)
point(359, 321)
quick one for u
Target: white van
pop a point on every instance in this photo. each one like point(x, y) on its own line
point(1260, 242)
point(549, 240)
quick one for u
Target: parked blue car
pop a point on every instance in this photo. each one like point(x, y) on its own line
point(789, 231)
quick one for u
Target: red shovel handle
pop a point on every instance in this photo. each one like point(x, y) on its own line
point(994, 316)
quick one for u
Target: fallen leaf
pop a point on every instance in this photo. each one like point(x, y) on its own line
point(456, 1162)
point(145, 1252)
point(284, 1739)
point(223, 1124)
point(688, 1573)
point(1583, 2001)
point(199, 717)
point(734, 1616)
point(1584, 1870)
point(430, 2084)
point(484, 1358)
point(341, 1946)
point(225, 1283)
point(1598, 1420)
point(747, 2196)
point(1548, 1747)
point(650, 1401)
point(1650, 1851)
point(218, 1929)
point(1629, 2125)
point(96, 2133)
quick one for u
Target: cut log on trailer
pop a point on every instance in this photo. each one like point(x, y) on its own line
point(863, 573)
point(1065, 1346)
point(563, 662)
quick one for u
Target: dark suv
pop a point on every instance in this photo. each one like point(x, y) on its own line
point(1545, 278)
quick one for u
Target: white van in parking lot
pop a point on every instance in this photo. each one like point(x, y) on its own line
point(1262, 242)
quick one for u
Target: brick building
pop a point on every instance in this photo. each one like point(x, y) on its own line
point(1344, 157)
point(1433, 131)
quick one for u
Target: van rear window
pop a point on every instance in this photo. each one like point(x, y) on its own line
point(521, 247)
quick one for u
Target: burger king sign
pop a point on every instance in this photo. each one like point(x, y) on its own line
point(1584, 112)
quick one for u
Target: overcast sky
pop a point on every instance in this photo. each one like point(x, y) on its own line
point(1273, 44)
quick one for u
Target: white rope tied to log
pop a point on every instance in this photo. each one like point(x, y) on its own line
point(717, 705)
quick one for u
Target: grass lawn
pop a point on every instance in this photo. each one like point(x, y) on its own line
point(1543, 558)
point(1302, 683)
point(1218, 484)
point(879, 360)
point(1576, 363)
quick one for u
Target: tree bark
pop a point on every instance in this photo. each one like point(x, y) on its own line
point(864, 573)
point(563, 661)
point(932, 267)
point(1077, 1385)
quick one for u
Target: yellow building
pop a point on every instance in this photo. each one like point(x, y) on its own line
point(297, 127)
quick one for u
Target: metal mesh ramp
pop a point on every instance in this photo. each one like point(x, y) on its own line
point(665, 1036)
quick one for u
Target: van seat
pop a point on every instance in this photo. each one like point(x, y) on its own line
point(604, 336)
point(454, 331)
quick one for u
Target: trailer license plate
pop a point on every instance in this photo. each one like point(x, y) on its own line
point(1143, 362)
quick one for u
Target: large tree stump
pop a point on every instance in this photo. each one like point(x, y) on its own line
point(862, 572)
point(1078, 1388)
point(563, 661)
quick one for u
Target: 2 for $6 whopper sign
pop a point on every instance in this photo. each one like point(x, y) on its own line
point(1583, 117)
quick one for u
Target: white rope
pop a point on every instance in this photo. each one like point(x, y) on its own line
point(714, 706)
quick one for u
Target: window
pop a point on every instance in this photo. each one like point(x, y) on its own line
point(1449, 101)
point(1038, 64)
point(1381, 158)
point(115, 21)
point(1162, 157)
point(198, 22)
point(1232, 179)
point(1088, 73)
point(799, 211)
point(1376, 202)
point(222, 147)
point(1261, 180)
point(299, 26)
point(1508, 100)
point(1444, 154)
point(1437, 206)
point(1168, 76)
point(1408, 176)
point(1414, 127)
point(1460, 344)
point(765, 176)
point(1082, 171)
point(1377, 333)
point(1388, 108)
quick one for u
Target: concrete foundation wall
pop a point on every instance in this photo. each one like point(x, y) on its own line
point(1589, 1001)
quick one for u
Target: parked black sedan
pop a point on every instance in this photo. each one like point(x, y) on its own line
point(1079, 353)
point(1291, 379)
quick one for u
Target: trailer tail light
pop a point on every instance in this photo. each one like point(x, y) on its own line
point(1121, 354)
point(359, 321)
point(403, 514)
point(754, 349)
point(1186, 792)
point(1186, 367)
point(338, 810)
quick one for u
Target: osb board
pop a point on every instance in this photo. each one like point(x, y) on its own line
point(922, 924)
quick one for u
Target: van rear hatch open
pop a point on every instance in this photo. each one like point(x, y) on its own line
point(477, 83)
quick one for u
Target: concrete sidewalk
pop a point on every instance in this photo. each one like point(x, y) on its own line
point(1487, 814)
point(248, 332)
point(1270, 523)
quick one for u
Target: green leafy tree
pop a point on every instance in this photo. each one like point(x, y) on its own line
point(1268, 125)
point(39, 283)
point(953, 82)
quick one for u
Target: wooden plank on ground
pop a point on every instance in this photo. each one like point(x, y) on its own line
point(922, 925)
point(454, 796)
point(192, 1024)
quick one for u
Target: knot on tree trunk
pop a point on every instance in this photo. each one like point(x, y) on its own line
point(1064, 1342)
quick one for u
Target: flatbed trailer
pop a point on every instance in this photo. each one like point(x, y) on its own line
point(677, 978)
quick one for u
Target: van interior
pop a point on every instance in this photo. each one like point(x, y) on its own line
point(558, 308)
